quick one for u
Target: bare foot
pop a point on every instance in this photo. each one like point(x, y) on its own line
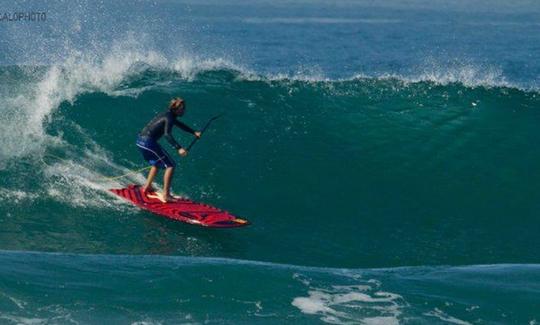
point(160, 196)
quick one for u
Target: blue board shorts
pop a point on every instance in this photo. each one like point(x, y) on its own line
point(153, 153)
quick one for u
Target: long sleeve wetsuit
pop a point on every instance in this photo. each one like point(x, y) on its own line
point(162, 125)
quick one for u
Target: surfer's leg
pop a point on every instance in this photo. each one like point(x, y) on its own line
point(165, 196)
point(167, 177)
point(149, 180)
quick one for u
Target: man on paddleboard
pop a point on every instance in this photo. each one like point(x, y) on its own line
point(152, 152)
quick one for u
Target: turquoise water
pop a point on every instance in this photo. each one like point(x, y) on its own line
point(390, 177)
point(97, 289)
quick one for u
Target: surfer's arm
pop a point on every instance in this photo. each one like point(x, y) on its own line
point(184, 127)
point(169, 137)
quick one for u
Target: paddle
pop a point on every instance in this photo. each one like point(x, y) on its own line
point(203, 130)
point(148, 167)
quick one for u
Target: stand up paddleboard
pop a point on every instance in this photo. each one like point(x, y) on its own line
point(181, 209)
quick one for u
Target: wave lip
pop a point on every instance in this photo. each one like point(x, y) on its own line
point(32, 102)
point(469, 75)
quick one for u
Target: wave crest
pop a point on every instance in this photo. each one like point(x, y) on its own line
point(124, 71)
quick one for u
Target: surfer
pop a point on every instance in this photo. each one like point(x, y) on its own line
point(159, 126)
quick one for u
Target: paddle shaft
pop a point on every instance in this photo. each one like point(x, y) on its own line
point(203, 130)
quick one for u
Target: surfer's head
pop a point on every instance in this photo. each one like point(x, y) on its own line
point(177, 106)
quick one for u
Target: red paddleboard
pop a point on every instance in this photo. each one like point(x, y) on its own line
point(182, 209)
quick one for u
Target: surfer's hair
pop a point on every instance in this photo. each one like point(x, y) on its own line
point(175, 103)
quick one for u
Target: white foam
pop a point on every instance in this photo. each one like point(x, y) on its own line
point(469, 74)
point(190, 67)
point(16, 196)
point(380, 321)
point(76, 182)
point(445, 317)
point(55, 314)
point(315, 303)
point(23, 320)
point(31, 104)
point(19, 303)
point(354, 303)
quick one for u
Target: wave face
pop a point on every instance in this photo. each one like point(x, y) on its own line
point(97, 289)
point(355, 136)
point(407, 172)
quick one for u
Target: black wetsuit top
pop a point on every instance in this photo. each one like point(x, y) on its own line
point(162, 125)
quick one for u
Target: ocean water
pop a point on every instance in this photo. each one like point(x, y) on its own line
point(385, 153)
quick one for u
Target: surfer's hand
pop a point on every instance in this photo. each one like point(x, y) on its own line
point(197, 134)
point(182, 152)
